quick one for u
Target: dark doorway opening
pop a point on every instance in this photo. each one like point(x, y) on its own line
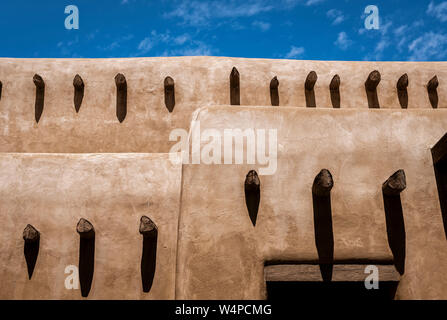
point(441, 180)
point(329, 291)
point(295, 282)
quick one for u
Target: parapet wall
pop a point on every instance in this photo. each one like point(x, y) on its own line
point(199, 81)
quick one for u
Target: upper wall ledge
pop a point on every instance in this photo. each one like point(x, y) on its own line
point(171, 81)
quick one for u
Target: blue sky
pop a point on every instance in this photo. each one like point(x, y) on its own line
point(294, 29)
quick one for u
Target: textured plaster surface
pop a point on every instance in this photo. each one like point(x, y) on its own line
point(53, 191)
point(221, 254)
point(199, 81)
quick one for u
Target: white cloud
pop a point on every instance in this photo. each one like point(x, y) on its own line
point(385, 27)
point(145, 45)
point(67, 47)
point(92, 35)
point(407, 41)
point(153, 39)
point(200, 13)
point(428, 46)
point(116, 43)
point(312, 2)
point(112, 46)
point(336, 16)
point(381, 46)
point(190, 46)
point(401, 30)
point(379, 49)
point(439, 11)
point(402, 35)
point(343, 42)
point(179, 40)
point(196, 49)
point(263, 26)
point(418, 23)
point(295, 53)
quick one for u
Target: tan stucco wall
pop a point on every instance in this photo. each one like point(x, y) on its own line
point(53, 191)
point(199, 81)
point(221, 254)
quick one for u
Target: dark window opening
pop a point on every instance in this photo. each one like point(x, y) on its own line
point(329, 291)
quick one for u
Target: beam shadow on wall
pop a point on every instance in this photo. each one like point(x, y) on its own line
point(402, 92)
point(334, 89)
point(235, 92)
point(148, 258)
point(31, 248)
point(169, 93)
point(432, 87)
point(309, 91)
point(121, 97)
point(439, 154)
point(274, 91)
point(324, 235)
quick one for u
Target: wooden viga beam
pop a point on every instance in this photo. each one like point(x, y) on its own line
point(86, 255)
point(432, 89)
point(334, 88)
point(121, 97)
point(309, 91)
point(371, 84)
point(235, 92)
point(274, 91)
point(169, 93)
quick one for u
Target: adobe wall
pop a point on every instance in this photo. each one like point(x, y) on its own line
point(199, 81)
point(112, 191)
point(220, 253)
